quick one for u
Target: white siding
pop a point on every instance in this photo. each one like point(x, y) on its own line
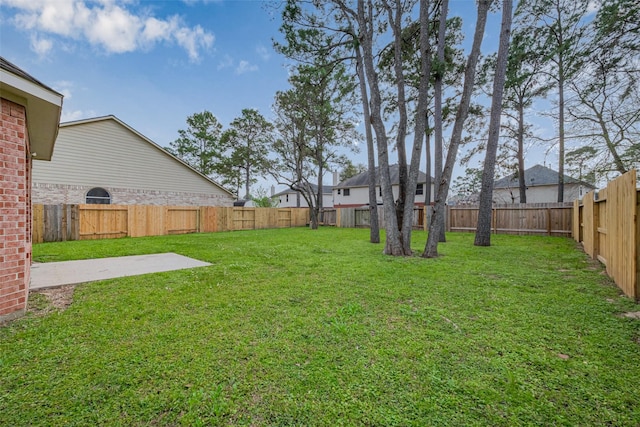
point(539, 194)
point(103, 153)
point(359, 196)
point(292, 201)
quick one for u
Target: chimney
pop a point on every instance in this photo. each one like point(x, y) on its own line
point(336, 178)
point(273, 190)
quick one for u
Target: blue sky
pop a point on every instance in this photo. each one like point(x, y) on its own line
point(153, 63)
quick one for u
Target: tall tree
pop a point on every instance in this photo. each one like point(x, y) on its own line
point(605, 117)
point(437, 110)
point(327, 28)
point(437, 219)
point(446, 67)
point(374, 232)
point(248, 139)
point(291, 165)
point(199, 145)
point(323, 98)
point(367, 24)
point(524, 84)
point(370, 22)
point(349, 169)
point(559, 25)
point(483, 230)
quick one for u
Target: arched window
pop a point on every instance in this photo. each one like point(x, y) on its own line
point(98, 196)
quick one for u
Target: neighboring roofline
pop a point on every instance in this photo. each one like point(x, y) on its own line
point(291, 191)
point(158, 147)
point(341, 185)
point(335, 187)
point(42, 104)
point(512, 179)
point(576, 182)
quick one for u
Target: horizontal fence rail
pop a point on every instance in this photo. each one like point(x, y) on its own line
point(57, 223)
point(606, 223)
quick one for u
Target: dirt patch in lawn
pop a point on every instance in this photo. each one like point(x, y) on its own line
point(45, 301)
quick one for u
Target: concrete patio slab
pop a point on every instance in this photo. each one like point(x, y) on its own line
point(50, 274)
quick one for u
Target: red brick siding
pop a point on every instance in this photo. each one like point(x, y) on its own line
point(15, 210)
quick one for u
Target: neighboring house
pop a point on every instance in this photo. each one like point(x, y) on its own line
point(28, 128)
point(354, 191)
point(105, 161)
point(542, 187)
point(293, 199)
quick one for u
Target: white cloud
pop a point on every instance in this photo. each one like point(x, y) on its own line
point(226, 62)
point(192, 39)
point(108, 24)
point(70, 116)
point(64, 87)
point(193, 2)
point(245, 67)
point(41, 46)
point(263, 52)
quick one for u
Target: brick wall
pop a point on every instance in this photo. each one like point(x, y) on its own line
point(15, 211)
point(56, 194)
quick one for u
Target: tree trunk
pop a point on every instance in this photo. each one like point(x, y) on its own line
point(561, 106)
point(395, 22)
point(437, 94)
point(483, 230)
point(437, 219)
point(427, 190)
point(320, 202)
point(313, 213)
point(374, 229)
point(393, 245)
point(522, 183)
point(561, 137)
point(420, 126)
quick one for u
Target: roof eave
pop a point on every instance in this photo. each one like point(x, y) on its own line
point(43, 109)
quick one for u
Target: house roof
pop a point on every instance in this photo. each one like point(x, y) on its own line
point(536, 176)
point(362, 179)
point(144, 138)
point(326, 190)
point(43, 107)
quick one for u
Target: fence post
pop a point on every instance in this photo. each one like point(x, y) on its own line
point(75, 222)
point(575, 213)
point(494, 219)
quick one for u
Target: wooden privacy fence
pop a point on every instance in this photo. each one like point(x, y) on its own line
point(361, 217)
point(550, 219)
point(55, 223)
point(606, 223)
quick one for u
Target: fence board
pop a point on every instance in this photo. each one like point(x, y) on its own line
point(610, 231)
point(181, 220)
point(621, 232)
point(103, 221)
point(285, 218)
point(552, 219)
point(54, 223)
point(37, 224)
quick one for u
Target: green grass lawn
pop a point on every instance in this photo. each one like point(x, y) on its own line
point(302, 327)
